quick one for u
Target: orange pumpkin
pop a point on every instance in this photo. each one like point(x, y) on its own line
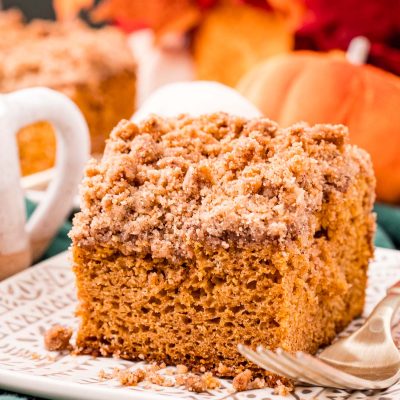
point(320, 88)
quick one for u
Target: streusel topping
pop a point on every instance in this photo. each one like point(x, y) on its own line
point(215, 180)
point(58, 54)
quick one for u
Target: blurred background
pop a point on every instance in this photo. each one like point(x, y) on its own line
point(297, 60)
point(31, 9)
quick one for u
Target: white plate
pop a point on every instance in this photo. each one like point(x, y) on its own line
point(39, 297)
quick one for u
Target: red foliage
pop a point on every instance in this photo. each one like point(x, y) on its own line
point(332, 24)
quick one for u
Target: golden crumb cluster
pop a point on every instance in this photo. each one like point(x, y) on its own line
point(57, 338)
point(217, 180)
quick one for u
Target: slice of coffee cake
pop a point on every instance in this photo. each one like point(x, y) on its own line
point(93, 67)
point(197, 234)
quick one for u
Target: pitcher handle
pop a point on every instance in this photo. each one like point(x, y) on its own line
point(32, 105)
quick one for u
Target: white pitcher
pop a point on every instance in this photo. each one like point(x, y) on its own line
point(22, 243)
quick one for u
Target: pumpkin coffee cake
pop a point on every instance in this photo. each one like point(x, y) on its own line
point(94, 67)
point(197, 234)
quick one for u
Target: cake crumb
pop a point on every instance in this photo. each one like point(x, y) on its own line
point(194, 383)
point(281, 389)
point(257, 383)
point(223, 370)
point(198, 383)
point(242, 380)
point(151, 374)
point(36, 356)
point(102, 375)
point(57, 338)
point(181, 369)
point(131, 378)
point(160, 380)
point(169, 372)
point(210, 381)
point(152, 368)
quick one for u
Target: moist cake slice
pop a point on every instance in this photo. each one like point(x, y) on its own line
point(94, 67)
point(197, 234)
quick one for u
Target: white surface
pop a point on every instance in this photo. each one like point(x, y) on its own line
point(41, 296)
point(196, 98)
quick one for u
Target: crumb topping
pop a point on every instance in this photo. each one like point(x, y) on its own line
point(217, 180)
point(60, 54)
point(57, 338)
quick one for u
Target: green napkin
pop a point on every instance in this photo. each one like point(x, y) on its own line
point(389, 222)
point(382, 239)
point(60, 243)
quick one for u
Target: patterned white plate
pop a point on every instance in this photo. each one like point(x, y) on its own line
point(39, 297)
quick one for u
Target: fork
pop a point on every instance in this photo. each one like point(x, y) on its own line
point(366, 359)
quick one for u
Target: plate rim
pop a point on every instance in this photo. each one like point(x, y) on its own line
point(53, 389)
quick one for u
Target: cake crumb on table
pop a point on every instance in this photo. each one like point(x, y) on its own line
point(169, 372)
point(282, 389)
point(198, 383)
point(211, 381)
point(151, 375)
point(131, 378)
point(257, 383)
point(57, 338)
point(102, 375)
point(160, 380)
point(181, 369)
point(194, 383)
point(242, 380)
point(223, 370)
point(35, 356)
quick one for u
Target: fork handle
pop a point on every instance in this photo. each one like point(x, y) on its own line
point(394, 289)
point(385, 311)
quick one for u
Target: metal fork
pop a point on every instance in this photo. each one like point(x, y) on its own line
point(367, 359)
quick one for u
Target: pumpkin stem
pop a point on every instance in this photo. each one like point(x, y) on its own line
point(357, 52)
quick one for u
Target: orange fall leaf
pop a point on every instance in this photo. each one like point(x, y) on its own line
point(161, 15)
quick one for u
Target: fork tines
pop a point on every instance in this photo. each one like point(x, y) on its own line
point(300, 367)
